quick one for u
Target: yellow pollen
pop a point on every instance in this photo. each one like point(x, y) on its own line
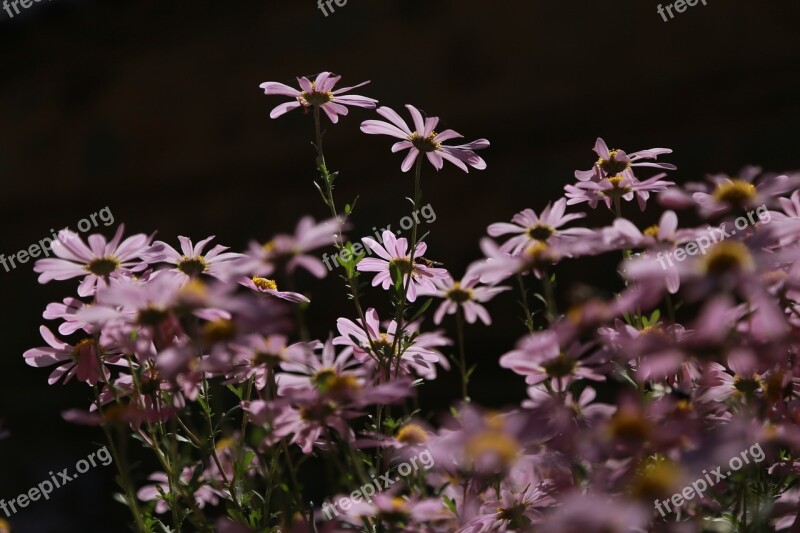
point(265, 284)
point(503, 446)
point(412, 434)
point(726, 257)
point(76, 351)
point(425, 144)
point(735, 192)
point(652, 231)
point(269, 246)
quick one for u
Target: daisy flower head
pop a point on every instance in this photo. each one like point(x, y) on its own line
point(394, 252)
point(528, 227)
point(269, 286)
point(424, 139)
point(191, 261)
point(318, 93)
point(617, 162)
point(466, 294)
point(96, 262)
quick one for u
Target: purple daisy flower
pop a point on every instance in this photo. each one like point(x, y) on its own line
point(190, 262)
point(98, 261)
point(318, 93)
point(395, 252)
point(423, 139)
point(617, 162)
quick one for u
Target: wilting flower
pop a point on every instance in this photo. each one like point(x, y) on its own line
point(424, 139)
point(394, 253)
point(318, 93)
point(191, 261)
point(98, 261)
point(465, 294)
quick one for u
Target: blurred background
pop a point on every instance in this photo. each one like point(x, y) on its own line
point(153, 110)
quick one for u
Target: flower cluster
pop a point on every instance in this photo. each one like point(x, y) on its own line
point(204, 357)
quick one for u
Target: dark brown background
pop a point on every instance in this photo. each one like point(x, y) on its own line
point(153, 109)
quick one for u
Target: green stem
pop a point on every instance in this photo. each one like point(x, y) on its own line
point(549, 297)
point(525, 306)
point(462, 360)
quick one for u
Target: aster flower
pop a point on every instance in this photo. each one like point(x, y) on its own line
point(617, 162)
point(610, 189)
point(722, 194)
point(191, 261)
point(417, 352)
point(289, 252)
point(97, 262)
point(80, 360)
point(318, 93)
point(513, 511)
point(394, 252)
point(256, 356)
point(327, 372)
point(203, 495)
point(269, 286)
point(528, 227)
point(423, 139)
point(465, 294)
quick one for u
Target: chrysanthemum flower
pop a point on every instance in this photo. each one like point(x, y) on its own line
point(191, 261)
point(423, 139)
point(269, 286)
point(98, 261)
point(318, 93)
point(394, 252)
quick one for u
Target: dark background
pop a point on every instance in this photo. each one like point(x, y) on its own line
point(153, 109)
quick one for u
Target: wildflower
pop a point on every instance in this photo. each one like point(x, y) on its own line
point(97, 262)
point(425, 140)
point(191, 261)
point(394, 253)
point(529, 227)
point(465, 294)
point(84, 360)
point(318, 93)
point(617, 162)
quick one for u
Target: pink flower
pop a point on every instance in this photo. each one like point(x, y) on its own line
point(465, 294)
point(98, 261)
point(529, 227)
point(81, 360)
point(617, 162)
point(268, 286)
point(288, 252)
point(318, 93)
point(394, 252)
point(424, 139)
point(191, 261)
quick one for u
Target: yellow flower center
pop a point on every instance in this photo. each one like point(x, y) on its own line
point(459, 295)
point(315, 97)
point(425, 144)
point(412, 434)
point(611, 166)
point(651, 231)
point(265, 284)
point(726, 257)
point(192, 266)
point(735, 192)
point(219, 331)
point(103, 266)
point(496, 443)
